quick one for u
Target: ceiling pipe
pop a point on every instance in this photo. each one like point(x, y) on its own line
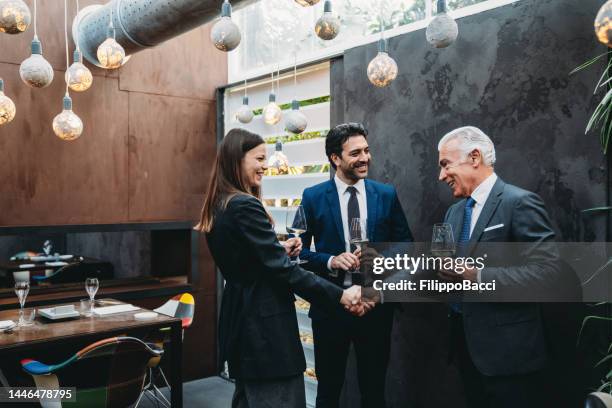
point(141, 24)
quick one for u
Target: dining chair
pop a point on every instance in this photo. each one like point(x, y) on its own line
point(107, 373)
point(181, 306)
point(598, 400)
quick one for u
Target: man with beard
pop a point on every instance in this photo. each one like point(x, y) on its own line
point(330, 208)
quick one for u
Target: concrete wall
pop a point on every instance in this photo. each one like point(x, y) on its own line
point(507, 74)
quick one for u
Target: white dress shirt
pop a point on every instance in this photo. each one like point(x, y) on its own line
point(480, 195)
point(343, 197)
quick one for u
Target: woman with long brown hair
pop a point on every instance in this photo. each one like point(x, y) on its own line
point(258, 330)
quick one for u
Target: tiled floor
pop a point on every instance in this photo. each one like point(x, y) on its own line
point(211, 392)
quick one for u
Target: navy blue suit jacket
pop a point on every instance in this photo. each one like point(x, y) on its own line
point(386, 222)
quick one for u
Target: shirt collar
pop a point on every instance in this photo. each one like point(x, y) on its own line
point(342, 186)
point(481, 193)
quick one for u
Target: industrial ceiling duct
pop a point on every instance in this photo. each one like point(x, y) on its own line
point(141, 24)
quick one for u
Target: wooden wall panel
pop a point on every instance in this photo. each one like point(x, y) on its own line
point(49, 181)
point(171, 146)
point(188, 66)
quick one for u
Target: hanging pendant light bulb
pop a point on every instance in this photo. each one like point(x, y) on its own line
point(272, 113)
point(295, 121)
point(328, 25)
point(279, 160)
point(603, 24)
point(225, 34)
point(36, 71)
point(78, 76)
point(382, 70)
point(110, 53)
point(442, 31)
point(15, 16)
point(67, 125)
point(7, 106)
point(245, 113)
point(307, 3)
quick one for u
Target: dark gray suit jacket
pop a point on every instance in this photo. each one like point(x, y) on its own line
point(508, 338)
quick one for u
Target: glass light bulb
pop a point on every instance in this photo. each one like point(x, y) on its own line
point(244, 114)
point(36, 71)
point(279, 161)
point(110, 54)
point(306, 3)
point(382, 70)
point(272, 113)
point(295, 121)
point(603, 24)
point(78, 77)
point(442, 31)
point(327, 27)
point(7, 109)
point(225, 34)
point(67, 125)
point(15, 16)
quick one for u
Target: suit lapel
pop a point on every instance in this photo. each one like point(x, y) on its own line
point(372, 205)
point(487, 212)
point(334, 206)
point(456, 220)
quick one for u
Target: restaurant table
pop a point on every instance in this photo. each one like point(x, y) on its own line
point(46, 333)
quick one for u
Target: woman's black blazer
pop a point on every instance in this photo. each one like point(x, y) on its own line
point(258, 330)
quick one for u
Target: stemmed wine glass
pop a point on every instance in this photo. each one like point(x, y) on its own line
point(21, 290)
point(442, 240)
point(91, 286)
point(296, 225)
point(358, 233)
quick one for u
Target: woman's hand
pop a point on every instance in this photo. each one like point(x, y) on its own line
point(293, 246)
point(351, 296)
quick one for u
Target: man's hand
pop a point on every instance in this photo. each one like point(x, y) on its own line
point(455, 275)
point(345, 261)
point(351, 297)
point(293, 246)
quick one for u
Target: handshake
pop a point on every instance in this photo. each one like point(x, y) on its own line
point(354, 303)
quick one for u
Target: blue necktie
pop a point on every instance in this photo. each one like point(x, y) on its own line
point(464, 237)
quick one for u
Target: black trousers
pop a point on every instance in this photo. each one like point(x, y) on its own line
point(370, 336)
point(508, 391)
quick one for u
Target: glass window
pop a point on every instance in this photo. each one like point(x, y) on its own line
point(278, 32)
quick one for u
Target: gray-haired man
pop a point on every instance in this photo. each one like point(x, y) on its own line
point(499, 347)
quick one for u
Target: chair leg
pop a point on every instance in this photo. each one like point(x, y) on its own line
point(167, 403)
point(164, 377)
point(3, 380)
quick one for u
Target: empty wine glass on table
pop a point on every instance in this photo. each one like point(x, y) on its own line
point(296, 225)
point(21, 290)
point(442, 240)
point(91, 286)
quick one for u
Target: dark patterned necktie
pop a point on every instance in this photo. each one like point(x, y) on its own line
point(352, 211)
point(465, 228)
point(464, 238)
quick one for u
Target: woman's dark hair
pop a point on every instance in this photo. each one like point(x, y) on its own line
point(226, 179)
point(340, 134)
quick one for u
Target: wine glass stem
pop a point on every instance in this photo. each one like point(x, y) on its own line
point(20, 314)
point(91, 304)
point(297, 257)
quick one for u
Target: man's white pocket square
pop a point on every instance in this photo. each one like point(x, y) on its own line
point(492, 227)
